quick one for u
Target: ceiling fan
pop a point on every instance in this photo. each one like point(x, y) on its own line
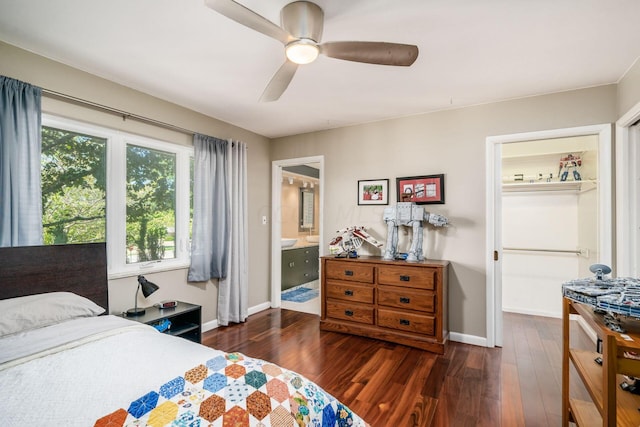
point(301, 32)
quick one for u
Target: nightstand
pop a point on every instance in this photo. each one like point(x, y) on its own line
point(185, 318)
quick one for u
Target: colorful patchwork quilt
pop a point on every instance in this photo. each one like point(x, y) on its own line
point(235, 390)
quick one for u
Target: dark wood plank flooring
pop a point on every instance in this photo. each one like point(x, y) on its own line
point(516, 385)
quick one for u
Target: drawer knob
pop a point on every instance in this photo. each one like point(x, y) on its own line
point(405, 322)
point(348, 293)
point(348, 313)
point(405, 300)
point(292, 264)
point(348, 273)
point(405, 278)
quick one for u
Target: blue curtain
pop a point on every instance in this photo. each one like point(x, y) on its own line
point(20, 144)
point(233, 290)
point(211, 210)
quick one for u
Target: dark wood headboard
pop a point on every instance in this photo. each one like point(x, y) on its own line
point(79, 268)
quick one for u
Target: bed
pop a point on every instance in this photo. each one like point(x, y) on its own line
point(65, 362)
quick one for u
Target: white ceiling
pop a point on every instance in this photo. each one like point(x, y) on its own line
point(471, 52)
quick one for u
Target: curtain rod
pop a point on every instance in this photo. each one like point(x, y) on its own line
point(125, 115)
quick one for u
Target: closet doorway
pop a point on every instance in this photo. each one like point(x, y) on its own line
point(297, 200)
point(514, 188)
point(549, 220)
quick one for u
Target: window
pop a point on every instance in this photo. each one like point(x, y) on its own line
point(73, 187)
point(151, 213)
point(135, 193)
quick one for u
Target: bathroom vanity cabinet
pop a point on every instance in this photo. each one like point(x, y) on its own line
point(299, 266)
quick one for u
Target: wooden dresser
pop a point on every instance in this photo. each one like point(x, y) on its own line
point(396, 301)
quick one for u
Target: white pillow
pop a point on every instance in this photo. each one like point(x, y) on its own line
point(35, 311)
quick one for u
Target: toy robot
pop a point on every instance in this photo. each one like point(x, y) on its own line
point(411, 215)
point(568, 163)
point(349, 240)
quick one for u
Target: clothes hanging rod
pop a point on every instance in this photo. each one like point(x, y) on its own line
point(562, 251)
point(124, 114)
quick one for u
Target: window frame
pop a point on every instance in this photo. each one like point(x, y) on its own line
point(116, 212)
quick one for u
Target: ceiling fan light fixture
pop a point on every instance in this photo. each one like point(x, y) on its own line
point(300, 32)
point(302, 51)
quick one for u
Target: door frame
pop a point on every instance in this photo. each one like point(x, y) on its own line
point(494, 210)
point(276, 218)
point(627, 199)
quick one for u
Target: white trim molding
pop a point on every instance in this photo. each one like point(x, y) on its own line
point(208, 326)
point(276, 218)
point(627, 199)
point(468, 339)
point(493, 210)
point(213, 324)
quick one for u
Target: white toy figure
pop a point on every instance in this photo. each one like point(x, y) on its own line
point(411, 215)
point(349, 240)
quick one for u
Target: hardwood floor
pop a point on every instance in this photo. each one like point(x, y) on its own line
point(516, 385)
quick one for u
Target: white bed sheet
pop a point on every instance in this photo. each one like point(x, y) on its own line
point(67, 387)
point(21, 347)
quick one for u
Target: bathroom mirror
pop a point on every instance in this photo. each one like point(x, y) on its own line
point(305, 218)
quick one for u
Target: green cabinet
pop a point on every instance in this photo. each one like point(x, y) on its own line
point(299, 266)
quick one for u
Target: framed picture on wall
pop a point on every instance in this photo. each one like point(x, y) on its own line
point(373, 192)
point(422, 190)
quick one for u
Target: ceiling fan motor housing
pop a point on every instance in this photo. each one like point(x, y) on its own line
point(303, 20)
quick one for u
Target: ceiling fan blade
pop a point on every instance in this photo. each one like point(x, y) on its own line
point(381, 53)
point(248, 18)
point(279, 82)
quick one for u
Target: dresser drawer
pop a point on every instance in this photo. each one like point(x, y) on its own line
point(408, 322)
point(397, 301)
point(350, 271)
point(349, 292)
point(407, 299)
point(353, 312)
point(411, 277)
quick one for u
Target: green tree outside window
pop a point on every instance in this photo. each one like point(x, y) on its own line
point(73, 187)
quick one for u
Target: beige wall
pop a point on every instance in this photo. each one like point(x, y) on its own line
point(629, 89)
point(25, 66)
point(290, 209)
point(450, 142)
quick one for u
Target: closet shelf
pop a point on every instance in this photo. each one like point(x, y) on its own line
point(575, 186)
point(554, 155)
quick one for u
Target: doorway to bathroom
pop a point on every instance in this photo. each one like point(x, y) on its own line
point(297, 199)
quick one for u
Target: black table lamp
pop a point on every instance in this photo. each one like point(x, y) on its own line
point(147, 289)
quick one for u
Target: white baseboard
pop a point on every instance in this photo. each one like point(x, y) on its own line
point(481, 341)
point(533, 312)
point(213, 324)
point(468, 339)
point(260, 307)
point(209, 325)
point(585, 326)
